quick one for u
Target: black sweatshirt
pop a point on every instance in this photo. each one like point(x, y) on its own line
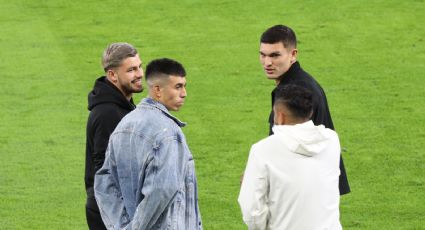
point(321, 115)
point(107, 107)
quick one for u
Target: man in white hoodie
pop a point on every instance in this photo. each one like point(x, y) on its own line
point(291, 178)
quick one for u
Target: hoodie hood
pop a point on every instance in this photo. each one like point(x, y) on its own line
point(105, 92)
point(305, 139)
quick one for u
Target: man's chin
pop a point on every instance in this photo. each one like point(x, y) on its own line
point(138, 90)
point(272, 77)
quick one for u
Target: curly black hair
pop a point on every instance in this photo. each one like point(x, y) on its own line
point(297, 99)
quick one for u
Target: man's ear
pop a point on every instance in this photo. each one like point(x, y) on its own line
point(279, 115)
point(281, 118)
point(157, 91)
point(294, 54)
point(112, 76)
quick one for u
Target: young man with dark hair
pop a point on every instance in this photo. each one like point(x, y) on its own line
point(291, 177)
point(148, 179)
point(108, 102)
point(278, 56)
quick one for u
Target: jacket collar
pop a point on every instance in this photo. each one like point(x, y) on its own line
point(117, 90)
point(286, 76)
point(148, 101)
point(106, 92)
point(291, 72)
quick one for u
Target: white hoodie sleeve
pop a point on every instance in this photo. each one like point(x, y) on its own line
point(254, 192)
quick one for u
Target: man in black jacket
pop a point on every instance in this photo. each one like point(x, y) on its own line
point(108, 102)
point(278, 55)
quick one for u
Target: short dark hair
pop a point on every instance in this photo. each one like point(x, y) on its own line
point(280, 33)
point(115, 53)
point(164, 66)
point(297, 99)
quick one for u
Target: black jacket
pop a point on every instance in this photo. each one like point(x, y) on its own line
point(321, 115)
point(107, 107)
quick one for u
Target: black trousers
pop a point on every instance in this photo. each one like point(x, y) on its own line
point(94, 220)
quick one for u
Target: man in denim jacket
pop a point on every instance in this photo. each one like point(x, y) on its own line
point(148, 179)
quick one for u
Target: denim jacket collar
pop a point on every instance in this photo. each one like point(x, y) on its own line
point(150, 102)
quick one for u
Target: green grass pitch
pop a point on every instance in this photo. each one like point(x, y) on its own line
point(368, 55)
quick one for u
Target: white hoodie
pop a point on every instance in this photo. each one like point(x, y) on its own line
point(291, 180)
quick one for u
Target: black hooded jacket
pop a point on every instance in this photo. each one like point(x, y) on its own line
point(321, 115)
point(107, 107)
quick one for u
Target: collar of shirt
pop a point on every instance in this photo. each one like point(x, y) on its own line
point(149, 102)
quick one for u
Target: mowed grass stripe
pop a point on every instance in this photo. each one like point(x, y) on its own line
point(41, 188)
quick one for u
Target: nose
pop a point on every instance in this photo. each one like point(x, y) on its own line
point(267, 61)
point(140, 72)
point(183, 93)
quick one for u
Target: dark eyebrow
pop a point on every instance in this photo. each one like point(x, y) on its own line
point(133, 67)
point(180, 85)
point(277, 53)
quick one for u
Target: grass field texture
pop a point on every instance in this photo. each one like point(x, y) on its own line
point(368, 56)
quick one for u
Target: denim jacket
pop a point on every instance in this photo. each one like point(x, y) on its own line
point(148, 178)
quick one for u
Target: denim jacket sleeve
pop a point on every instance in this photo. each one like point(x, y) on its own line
point(163, 175)
point(108, 194)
